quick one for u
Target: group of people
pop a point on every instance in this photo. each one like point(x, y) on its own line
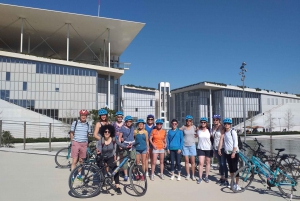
point(148, 140)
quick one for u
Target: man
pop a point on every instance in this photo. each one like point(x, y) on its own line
point(79, 138)
point(149, 126)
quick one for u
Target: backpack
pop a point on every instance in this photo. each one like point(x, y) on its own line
point(240, 143)
point(76, 126)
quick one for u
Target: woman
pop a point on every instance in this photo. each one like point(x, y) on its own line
point(231, 151)
point(189, 147)
point(174, 147)
point(141, 139)
point(158, 141)
point(217, 132)
point(106, 146)
point(103, 120)
point(149, 126)
point(118, 123)
point(204, 149)
point(126, 135)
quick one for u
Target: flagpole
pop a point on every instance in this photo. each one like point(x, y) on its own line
point(98, 8)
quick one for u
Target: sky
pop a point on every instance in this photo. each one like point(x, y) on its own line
point(186, 42)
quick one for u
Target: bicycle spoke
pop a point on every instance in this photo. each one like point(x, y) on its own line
point(138, 179)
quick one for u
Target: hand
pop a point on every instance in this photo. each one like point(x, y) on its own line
point(233, 155)
point(219, 152)
point(179, 151)
point(129, 146)
point(98, 152)
point(195, 135)
point(154, 147)
point(165, 146)
point(168, 151)
point(147, 151)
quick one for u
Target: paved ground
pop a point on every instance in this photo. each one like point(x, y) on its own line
point(35, 177)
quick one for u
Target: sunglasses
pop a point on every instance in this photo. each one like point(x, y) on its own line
point(203, 122)
point(106, 131)
point(174, 123)
point(129, 121)
point(226, 124)
point(150, 119)
point(189, 120)
point(159, 124)
point(216, 119)
point(119, 116)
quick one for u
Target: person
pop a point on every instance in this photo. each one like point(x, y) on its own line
point(217, 131)
point(106, 146)
point(149, 126)
point(174, 147)
point(231, 150)
point(79, 138)
point(126, 135)
point(119, 122)
point(158, 141)
point(204, 149)
point(141, 139)
point(103, 120)
point(189, 147)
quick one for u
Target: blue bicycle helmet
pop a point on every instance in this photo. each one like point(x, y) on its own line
point(102, 112)
point(189, 117)
point(204, 119)
point(128, 118)
point(227, 121)
point(159, 121)
point(140, 121)
point(217, 116)
point(119, 113)
point(150, 116)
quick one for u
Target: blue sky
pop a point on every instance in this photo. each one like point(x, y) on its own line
point(185, 42)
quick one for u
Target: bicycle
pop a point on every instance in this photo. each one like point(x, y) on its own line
point(279, 177)
point(92, 178)
point(63, 156)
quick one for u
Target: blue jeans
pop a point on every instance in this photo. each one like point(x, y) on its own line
point(175, 156)
point(223, 169)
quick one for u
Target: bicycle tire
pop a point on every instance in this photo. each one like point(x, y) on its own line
point(136, 174)
point(63, 160)
point(288, 190)
point(90, 174)
point(246, 174)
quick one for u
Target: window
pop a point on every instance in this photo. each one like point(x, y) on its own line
point(7, 76)
point(136, 109)
point(151, 103)
point(268, 101)
point(162, 114)
point(24, 86)
point(57, 89)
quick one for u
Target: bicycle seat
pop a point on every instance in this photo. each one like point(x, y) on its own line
point(280, 150)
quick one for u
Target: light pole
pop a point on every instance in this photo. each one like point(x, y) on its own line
point(279, 124)
point(242, 73)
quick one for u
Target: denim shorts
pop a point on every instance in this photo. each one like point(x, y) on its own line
point(141, 151)
point(206, 153)
point(189, 150)
point(158, 151)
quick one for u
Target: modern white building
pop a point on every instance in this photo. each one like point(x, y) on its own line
point(164, 102)
point(56, 63)
point(265, 109)
point(139, 102)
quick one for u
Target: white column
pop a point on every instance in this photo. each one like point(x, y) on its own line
point(22, 29)
point(210, 109)
point(28, 43)
point(68, 42)
point(108, 90)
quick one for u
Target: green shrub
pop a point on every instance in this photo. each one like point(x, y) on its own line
point(7, 140)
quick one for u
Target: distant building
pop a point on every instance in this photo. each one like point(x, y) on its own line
point(164, 102)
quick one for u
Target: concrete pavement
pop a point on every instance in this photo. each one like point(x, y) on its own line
point(27, 177)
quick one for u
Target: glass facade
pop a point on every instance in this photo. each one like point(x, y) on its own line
point(58, 91)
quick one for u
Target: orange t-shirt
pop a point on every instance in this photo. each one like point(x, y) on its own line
point(158, 138)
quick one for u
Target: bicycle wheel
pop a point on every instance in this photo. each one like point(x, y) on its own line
point(285, 186)
point(246, 176)
point(63, 158)
point(86, 180)
point(138, 179)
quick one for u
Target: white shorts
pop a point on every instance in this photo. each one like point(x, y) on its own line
point(158, 151)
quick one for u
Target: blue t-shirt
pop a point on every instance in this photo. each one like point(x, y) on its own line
point(175, 139)
point(140, 138)
point(128, 133)
point(149, 129)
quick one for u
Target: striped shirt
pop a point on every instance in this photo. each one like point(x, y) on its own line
point(81, 132)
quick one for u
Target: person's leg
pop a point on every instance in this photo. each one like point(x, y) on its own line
point(224, 165)
point(74, 154)
point(187, 166)
point(207, 166)
point(235, 167)
point(229, 161)
point(201, 163)
point(154, 158)
point(144, 161)
point(125, 166)
point(161, 159)
point(178, 162)
point(147, 163)
point(221, 170)
point(172, 154)
point(193, 165)
point(138, 157)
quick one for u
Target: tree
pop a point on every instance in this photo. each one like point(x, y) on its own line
point(251, 121)
point(95, 118)
point(7, 139)
point(270, 121)
point(288, 118)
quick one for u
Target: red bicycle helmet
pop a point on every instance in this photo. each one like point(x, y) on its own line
point(84, 112)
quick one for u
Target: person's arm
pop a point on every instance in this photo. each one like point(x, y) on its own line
point(151, 138)
point(72, 130)
point(168, 141)
point(147, 141)
point(221, 143)
point(99, 146)
point(181, 128)
point(235, 143)
point(181, 141)
point(96, 131)
point(165, 140)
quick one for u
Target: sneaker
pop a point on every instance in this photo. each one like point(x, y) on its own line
point(178, 178)
point(142, 178)
point(206, 180)
point(220, 181)
point(125, 178)
point(152, 177)
point(147, 174)
point(79, 177)
point(172, 177)
point(193, 178)
point(162, 176)
point(237, 188)
point(118, 191)
point(137, 177)
point(226, 183)
point(187, 177)
point(199, 181)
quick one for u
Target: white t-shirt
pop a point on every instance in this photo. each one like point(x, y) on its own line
point(230, 141)
point(204, 142)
